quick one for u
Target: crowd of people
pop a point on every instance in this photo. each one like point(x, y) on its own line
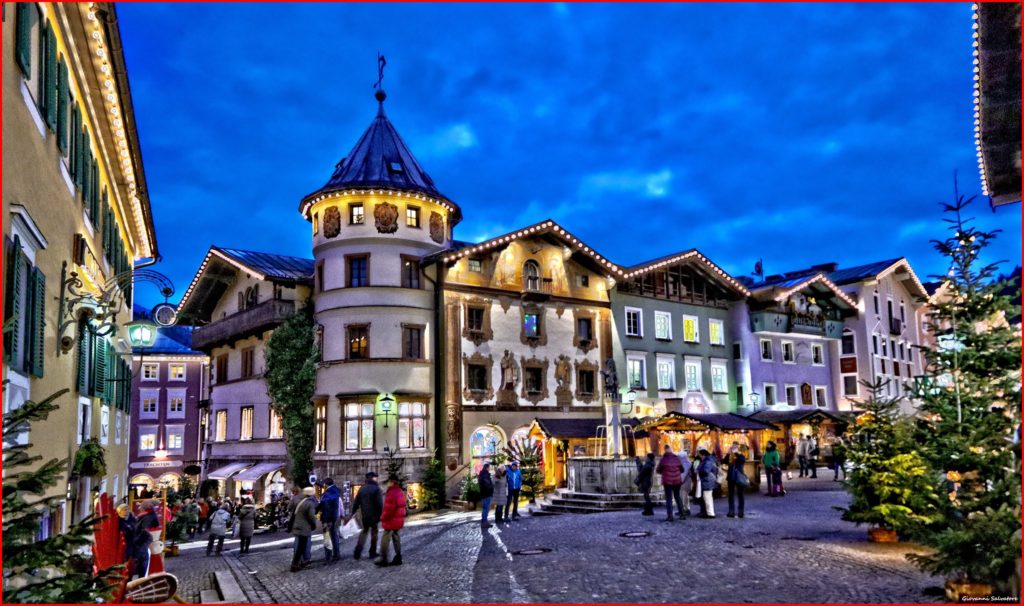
point(501, 490)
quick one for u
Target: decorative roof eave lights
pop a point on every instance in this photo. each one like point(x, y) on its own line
point(449, 206)
point(117, 125)
point(542, 227)
point(977, 100)
point(888, 270)
point(693, 253)
point(202, 267)
point(818, 278)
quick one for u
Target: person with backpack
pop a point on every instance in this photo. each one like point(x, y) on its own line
point(392, 519)
point(813, 453)
point(218, 529)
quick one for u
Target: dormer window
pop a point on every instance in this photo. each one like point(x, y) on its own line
point(395, 167)
point(531, 276)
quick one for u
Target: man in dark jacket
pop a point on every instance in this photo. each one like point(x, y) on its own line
point(644, 479)
point(330, 512)
point(369, 502)
point(486, 493)
point(671, 469)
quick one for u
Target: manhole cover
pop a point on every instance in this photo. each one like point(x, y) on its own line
point(537, 551)
point(635, 534)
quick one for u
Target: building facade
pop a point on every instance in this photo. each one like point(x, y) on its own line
point(168, 383)
point(76, 218)
point(236, 300)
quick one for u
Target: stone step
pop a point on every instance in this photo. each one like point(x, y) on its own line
point(228, 588)
point(604, 505)
point(209, 596)
point(597, 496)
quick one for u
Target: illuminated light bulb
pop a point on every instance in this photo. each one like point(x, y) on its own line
point(101, 53)
point(96, 35)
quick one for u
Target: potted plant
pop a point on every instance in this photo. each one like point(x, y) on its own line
point(469, 491)
point(90, 460)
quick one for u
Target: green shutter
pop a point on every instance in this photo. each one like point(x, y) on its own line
point(51, 78)
point(83, 359)
point(94, 199)
point(99, 365)
point(76, 138)
point(23, 41)
point(12, 299)
point(41, 83)
point(83, 143)
point(62, 106)
point(36, 329)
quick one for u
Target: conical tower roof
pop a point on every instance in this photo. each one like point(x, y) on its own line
point(381, 160)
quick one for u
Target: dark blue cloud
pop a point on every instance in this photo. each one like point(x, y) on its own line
point(798, 133)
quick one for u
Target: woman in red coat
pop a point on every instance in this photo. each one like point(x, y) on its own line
point(392, 519)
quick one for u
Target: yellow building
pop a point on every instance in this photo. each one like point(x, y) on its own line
point(75, 219)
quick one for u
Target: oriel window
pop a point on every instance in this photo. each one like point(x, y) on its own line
point(412, 425)
point(320, 436)
point(358, 343)
point(410, 273)
point(358, 427)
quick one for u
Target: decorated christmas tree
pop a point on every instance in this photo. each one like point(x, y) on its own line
point(969, 415)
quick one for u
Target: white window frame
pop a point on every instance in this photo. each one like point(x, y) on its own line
point(86, 404)
point(856, 385)
point(668, 325)
point(145, 432)
point(792, 349)
point(414, 411)
point(178, 430)
point(220, 426)
point(670, 361)
point(642, 359)
point(251, 408)
point(853, 341)
point(639, 321)
point(796, 394)
point(149, 394)
point(721, 331)
point(359, 419)
point(117, 426)
point(696, 328)
point(822, 389)
point(170, 371)
point(722, 365)
point(771, 350)
point(175, 393)
point(144, 366)
point(691, 362)
point(775, 393)
point(275, 420)
point(104, 424)
point(818, 347)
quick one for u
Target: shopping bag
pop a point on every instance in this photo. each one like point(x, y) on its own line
point(350, 529)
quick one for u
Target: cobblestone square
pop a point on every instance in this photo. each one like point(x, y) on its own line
point(793, 549)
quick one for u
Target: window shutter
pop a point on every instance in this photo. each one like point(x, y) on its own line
point(99, 366)
point(76, 142)
point(83, 142)
point(94, 200)
point(51, 78)
point(62, 106)
point(23, 42)
point(12, 299)
point(41, 84)
point(37, 325)
point(83, 359)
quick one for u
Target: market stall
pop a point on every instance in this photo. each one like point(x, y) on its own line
point(823, 425)
point(563, 439)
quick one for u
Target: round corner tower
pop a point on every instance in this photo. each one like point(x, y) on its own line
point(373, 223)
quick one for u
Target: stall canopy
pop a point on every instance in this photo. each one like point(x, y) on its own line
point(723, 421)
point(227, 471)
point(257, 471)
point(565, 429)
point(786, 417)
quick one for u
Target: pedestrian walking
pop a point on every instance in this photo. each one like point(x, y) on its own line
point(392, 519)
point(486, 493)
point(515, 485)
point(644, 480)
point(369, 503)
point(204, 515)
point(671, 469)
point(218, 529)
point(191, 511)
point(688, 481)
point(302, 526)
point(246, 520)
point(773, 470)
point(803, 451)
point(331, 510)
point(500, 493)
point(737, 484)
point(813, 453)
point(838, 459)
point(707, 475)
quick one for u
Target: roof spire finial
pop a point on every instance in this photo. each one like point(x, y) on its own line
point(380, 95)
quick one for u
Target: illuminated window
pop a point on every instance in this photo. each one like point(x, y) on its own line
point(175, 439)
point(221, 426)
point(316, 223)
point(147, 441)
point(358, 427)
point(662, 325)
point(276, 425)
point(149, 405)
point(358, 343)
point(691, 331)
point(484, 443)
point(692, 369)
point(666, 373)
point(476, 266)
point(150, 371)
point(175, 404)
point(320, 437)
point(716, 332)
point(412, 216)
point(634, 322)
point(412, 425)
point(355, 214)
point(246, 431)
point(176, 372)
point(718, 381)
point(635, 373)
point(531, 325)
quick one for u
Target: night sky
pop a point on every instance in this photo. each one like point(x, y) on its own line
point(799, 134)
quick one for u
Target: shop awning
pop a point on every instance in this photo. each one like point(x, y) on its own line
point(258, 471)
point(227, 471)
point(796, 416)
point(723, 421)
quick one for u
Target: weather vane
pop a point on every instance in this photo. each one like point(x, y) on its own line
point(381, 62)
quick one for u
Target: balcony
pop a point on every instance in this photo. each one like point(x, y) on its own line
point(535, 288)
point(769, 321)
point(242, 324)
point(808, 324)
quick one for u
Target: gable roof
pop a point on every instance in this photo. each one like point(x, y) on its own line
point(380, 160)
point(220, 265)
point(877, 271)
point(782, 288)
point(690, 256)
point(793, 416)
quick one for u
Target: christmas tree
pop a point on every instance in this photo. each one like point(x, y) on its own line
point(969, 415)
point(889, 482)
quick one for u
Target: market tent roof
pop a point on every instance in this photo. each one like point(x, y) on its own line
point(727, 421)
point(258, 471)
point(227, 471)
point(795, 416)
point(563, 428)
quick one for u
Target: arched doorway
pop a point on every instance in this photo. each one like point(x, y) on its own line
point(169, 480)
point(141, 484)
point(484, 443)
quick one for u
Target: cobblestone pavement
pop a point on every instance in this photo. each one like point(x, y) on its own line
point(793, 549)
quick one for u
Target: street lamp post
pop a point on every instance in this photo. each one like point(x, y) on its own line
point(385, 405)
point(754, 398)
